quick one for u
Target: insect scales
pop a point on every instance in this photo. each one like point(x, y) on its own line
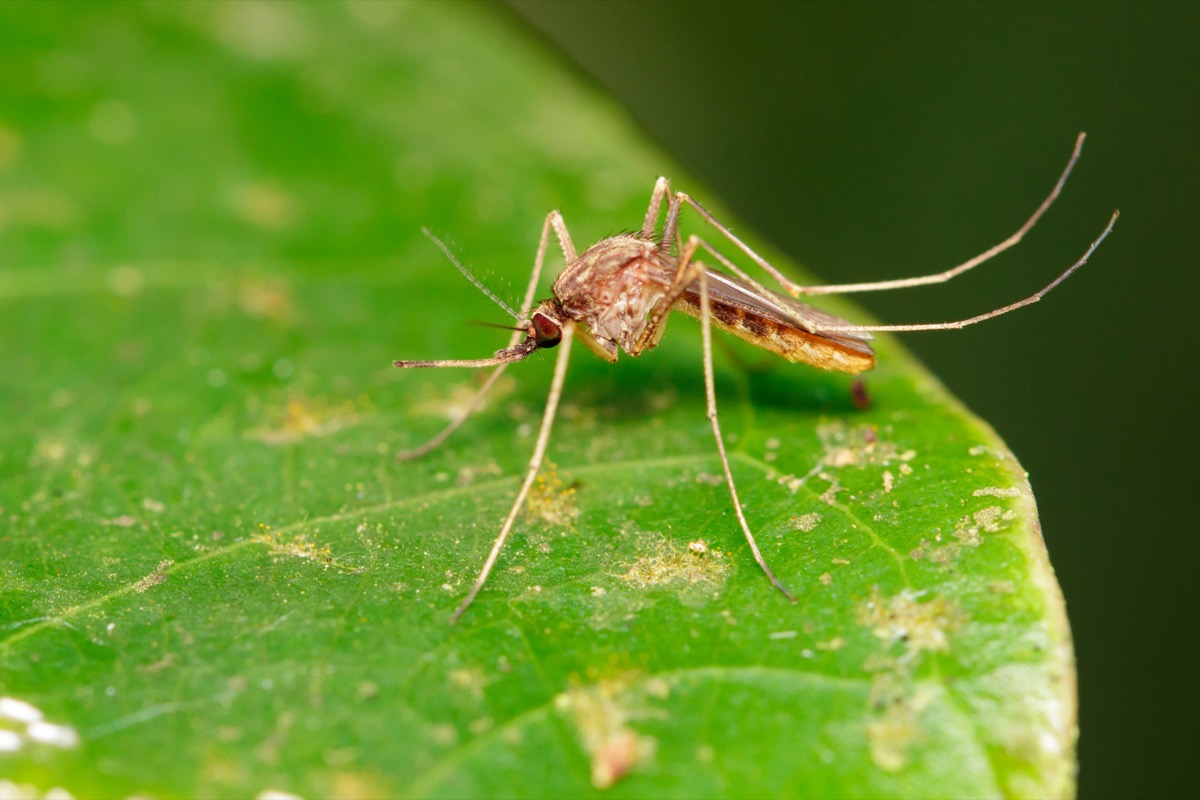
point(617, 294)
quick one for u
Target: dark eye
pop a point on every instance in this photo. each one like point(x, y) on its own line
point(547, 332)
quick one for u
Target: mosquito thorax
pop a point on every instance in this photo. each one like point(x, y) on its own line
point(613, 285)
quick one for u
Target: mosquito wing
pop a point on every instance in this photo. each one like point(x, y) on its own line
point(725, 288)
point(779, 324)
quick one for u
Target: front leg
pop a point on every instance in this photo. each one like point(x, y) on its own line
point(554, 222)
point(531, 471)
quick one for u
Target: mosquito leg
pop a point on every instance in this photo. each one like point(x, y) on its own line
point(987, 255)
point(796, 290)
point(554, 221)
point(729, 265)
point(472, 405)
point(681, 198)
point(711, 400)
point(661, 189)
point(962, 323)
point(535, 463)
point(686, 271)
point(671, 226)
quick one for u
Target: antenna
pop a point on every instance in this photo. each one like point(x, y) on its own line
point(468, 275)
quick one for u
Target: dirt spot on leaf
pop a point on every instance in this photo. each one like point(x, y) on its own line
point(156, 578)
point(858, 445)
point(896, 704)
point(997, 491)
point(990, 518)
point(264, 205)
point(896, 729)
point(922, 626)
point(805, 522)
point(696, 568)
point(452, 403)
point(968, 533)
point(602, 712)
point(470, 681)
point(551, 500)
point(303, 418)
point(302, 545)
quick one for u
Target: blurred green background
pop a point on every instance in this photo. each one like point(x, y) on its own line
point(877, 140)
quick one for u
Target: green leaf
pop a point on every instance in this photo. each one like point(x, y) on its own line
point(217, 580)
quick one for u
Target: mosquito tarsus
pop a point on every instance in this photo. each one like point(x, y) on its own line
point(617, 294)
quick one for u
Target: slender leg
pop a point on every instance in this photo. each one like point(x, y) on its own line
point(695, 242)
point(661, 189)
point(711, 400)
point(962, 323)
point(554, 221)
point(734, 268)
point(472, 406)
point(687, 271)
point(987, 255)
point(564, 242)
point(796, 290)
point(535, 463)
point(671, 226)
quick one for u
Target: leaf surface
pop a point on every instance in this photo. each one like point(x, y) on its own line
point(215, 578)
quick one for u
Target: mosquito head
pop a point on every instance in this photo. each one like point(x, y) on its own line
point(544, 330)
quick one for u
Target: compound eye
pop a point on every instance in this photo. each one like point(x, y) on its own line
point(546, 331)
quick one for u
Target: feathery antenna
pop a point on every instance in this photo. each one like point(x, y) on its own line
point(468, 275)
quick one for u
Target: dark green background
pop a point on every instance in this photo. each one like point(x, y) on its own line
point(877, 140)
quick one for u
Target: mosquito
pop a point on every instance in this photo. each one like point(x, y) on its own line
point(617, 294)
